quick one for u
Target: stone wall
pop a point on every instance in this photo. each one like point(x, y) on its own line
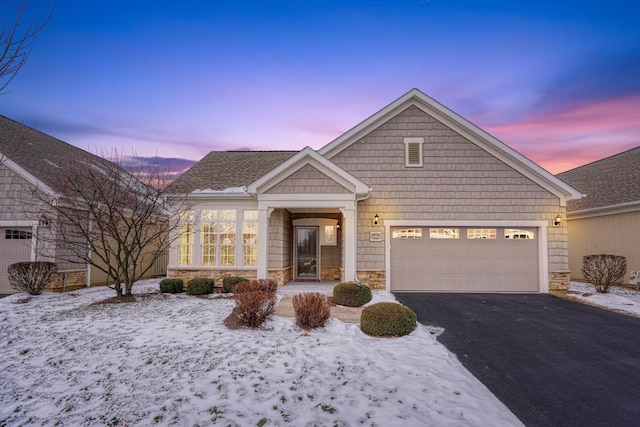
point(559, 281)
point(68, 280)
point(375, 279)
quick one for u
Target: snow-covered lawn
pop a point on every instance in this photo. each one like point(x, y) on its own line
point(169, 360)
point(619, 299)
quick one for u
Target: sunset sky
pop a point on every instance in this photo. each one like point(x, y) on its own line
point(559, 81)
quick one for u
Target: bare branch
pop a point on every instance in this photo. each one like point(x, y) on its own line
point(16, 42)
point(108, 218)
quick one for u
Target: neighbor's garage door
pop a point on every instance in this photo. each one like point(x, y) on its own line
point(464, 259)
point(15, 246)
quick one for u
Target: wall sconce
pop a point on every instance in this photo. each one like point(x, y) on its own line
point(44, 221)
point(557, 221)
point(376, 220)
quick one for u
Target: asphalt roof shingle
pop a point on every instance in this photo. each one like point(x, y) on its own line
point(40, 154)
point(220, 170)
point(610, 181)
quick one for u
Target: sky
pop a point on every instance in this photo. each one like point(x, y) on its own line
point(558, 81)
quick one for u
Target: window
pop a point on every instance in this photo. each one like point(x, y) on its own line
point(444, 233)
point(185, 238)
point(17, 235)
point(329, 234)
point(413, 152)
point(407, 233)
point(250, 238)
point(218, 237)
point(481, 233)
point(513, 233)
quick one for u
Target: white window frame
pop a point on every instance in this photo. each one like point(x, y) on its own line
point(252, 246)
point(407, 143)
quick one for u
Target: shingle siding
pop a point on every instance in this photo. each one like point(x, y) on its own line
point(459, 181)
point(307, 180)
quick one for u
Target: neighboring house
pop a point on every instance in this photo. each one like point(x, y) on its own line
point(607, 220)
point(29, 159)
point(414, 198)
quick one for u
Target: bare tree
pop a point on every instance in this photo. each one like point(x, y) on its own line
point(108, 218)
point(16, 41)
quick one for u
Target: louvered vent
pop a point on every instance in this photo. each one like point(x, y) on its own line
point(413, 153)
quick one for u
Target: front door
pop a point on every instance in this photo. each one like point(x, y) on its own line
point(306, 253)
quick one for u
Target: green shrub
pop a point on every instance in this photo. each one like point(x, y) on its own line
point(387, 319)
point(351, 294)
point(171, 286)
point(312, 310)
point(200, 286)
point(229, 283)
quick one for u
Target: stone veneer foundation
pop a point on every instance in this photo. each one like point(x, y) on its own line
point(68, 280)
point(559, 280)
point(375, 279)
point(280, 275)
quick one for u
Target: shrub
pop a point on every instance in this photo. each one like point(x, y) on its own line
point(229, 283)
point(351, 294)
point(387, 319)
point(312, 310)
point(255, 301)
point(200, 286)
point(171, 286)
point(31, 277)
point(604, 270)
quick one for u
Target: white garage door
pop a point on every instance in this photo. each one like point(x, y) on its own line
point(464, 259)
point(15, 246)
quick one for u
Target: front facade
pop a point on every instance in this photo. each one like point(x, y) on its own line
point(607, 220)
point(415, 198)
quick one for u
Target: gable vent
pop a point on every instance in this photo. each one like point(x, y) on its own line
point(413, 152)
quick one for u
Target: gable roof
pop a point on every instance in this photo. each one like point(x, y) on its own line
point(221, 170)
point(459, 124)
point(36, 156)
point(609, 182)
point(308, 156)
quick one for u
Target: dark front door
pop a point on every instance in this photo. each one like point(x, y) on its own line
point(306, 253)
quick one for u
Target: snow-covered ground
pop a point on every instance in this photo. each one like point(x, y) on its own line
point(619, 299)
point(169, 360)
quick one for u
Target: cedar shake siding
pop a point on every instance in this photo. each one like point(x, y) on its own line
point(458, 181)
point(307, 180)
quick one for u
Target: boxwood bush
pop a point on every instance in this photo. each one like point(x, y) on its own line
point(171, 286)
point(351, 294)
point(387, 319)
point(200, 286)
point(229, 283)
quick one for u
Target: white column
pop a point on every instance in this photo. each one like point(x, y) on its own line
point(263, 242)
point(350, 236)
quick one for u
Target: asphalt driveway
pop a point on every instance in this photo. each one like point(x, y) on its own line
point(553, 362)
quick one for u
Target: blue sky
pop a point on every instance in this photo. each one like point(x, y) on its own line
point(558, 81)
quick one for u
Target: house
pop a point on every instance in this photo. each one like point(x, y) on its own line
point(414, 198)
point(30, 159)
point(607, 220)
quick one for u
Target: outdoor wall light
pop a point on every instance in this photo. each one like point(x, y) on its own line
point(557, 221)
point(376, 220)
point(44, 221)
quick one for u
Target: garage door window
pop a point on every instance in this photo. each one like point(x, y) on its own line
point(512, 233)
point(444, 233)
point(17, 235)
point(481, 233)
point(407, 233)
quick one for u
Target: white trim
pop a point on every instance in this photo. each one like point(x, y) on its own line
point(342, 197)
point(465, 128)
point(413, 140)
point(619, 208)
point(18, 223)
point(304, 157)
point(541, 226)
point(31, 179)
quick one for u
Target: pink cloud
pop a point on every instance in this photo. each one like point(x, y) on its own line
point(565, 140)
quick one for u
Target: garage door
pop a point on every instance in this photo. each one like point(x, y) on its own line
point(15, 246)
point(464, 259)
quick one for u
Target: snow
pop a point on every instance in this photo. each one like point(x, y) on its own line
point(618, 298)
point(230, 190)
point(169, 360)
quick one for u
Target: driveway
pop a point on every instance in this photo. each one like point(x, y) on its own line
point(553, 362)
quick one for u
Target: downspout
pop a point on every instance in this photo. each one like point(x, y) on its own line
point(355, 244)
